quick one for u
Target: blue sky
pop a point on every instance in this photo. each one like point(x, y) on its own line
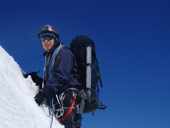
point(132, 44)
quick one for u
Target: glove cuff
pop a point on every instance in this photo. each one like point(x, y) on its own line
point(47, 92)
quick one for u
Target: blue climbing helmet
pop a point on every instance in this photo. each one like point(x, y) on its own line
point(48, 30)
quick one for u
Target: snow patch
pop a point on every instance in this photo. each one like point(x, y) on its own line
point(17, 106)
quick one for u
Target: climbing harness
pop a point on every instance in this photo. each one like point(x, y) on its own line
point(69, 111)
point(59, 112)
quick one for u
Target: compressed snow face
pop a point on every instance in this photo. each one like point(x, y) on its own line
point(17, 106)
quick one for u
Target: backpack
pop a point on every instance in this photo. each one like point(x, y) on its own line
point(83, 49)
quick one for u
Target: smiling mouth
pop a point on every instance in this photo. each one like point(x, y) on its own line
point(47, 45)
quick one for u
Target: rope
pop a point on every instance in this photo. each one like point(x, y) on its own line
point(69, 111)
point(53, 109)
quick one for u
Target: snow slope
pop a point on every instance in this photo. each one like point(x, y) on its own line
point(17, 106)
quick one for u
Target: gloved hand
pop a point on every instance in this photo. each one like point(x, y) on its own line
point(39, 98)
point(46, 92)
point(36, 79)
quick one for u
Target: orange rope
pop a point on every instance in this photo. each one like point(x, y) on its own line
point(69, 111)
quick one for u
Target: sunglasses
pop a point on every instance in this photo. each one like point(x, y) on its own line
point(43, 38)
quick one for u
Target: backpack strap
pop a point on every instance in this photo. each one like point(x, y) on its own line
point(57, 50)
point(98, 72)
point(83, 96)
point(56, 53)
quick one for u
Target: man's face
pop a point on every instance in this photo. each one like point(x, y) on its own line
point(47, 44)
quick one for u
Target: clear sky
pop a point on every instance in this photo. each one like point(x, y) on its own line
point(132, 43)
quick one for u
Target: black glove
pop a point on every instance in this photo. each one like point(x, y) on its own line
point(46, 92)
point(39, 98)
point(38, 80)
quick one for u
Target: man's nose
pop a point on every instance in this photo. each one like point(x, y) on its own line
point(45, 41)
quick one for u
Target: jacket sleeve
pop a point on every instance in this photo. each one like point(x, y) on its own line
point(61, 71)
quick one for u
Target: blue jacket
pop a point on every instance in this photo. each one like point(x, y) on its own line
point(60, 72)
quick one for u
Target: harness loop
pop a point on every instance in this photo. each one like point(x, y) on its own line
point(69, 111)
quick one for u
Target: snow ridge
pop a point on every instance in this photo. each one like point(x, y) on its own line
point(17, 106)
